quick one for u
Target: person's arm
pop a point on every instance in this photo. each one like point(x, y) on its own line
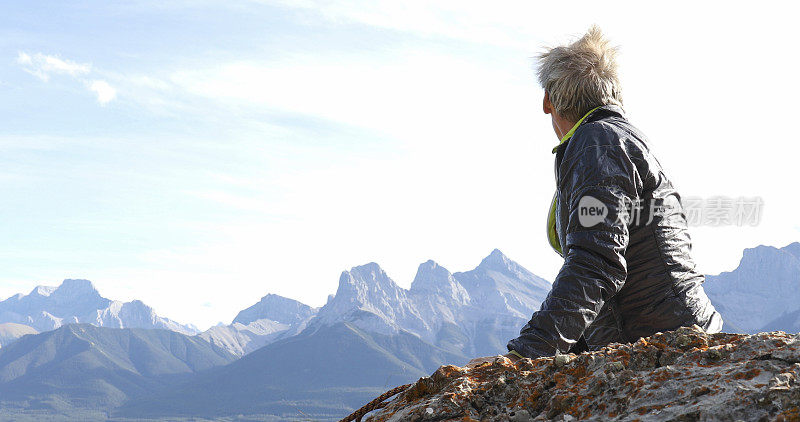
point(594, 267)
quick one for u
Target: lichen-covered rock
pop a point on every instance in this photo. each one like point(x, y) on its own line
point(682, 375)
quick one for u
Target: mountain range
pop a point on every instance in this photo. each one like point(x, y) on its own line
point(280, 359)
point(77, 301)
point(372, 334)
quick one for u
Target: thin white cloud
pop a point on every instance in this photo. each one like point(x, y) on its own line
point(44, 66)
point(105, 92)
point(24, 59)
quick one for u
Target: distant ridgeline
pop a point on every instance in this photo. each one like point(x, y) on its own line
point(77, 301)
point(95, 358)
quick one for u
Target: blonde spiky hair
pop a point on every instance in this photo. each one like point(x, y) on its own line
point(580, 76)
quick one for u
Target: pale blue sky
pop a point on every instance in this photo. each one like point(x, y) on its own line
point(202, 154)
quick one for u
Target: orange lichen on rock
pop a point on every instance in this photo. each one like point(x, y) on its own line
point(682, 374)
point(747, 375)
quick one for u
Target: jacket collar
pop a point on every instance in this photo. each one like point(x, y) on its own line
point(595, 113)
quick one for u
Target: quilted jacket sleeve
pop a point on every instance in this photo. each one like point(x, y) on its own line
point(598, 182)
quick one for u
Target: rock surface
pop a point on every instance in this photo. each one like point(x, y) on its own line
point(682, 375)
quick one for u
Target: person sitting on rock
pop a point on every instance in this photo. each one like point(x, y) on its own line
point(616, 219)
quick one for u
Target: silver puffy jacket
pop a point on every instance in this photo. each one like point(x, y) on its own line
point(627, 269)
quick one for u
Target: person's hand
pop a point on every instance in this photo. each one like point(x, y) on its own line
point(490, 359)
point(477, 361)
point(512, 357)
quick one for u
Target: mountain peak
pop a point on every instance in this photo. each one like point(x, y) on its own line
point(434, 283)
point(793, 248)
point(42, 291)
point(430, 265)
point(77, 285)
point(431, 277)
point(366, 295)
point(369, 275)
point(763, 256)
point(369, 268)
point(494, 260)
point(500, 284)
point(276, 308)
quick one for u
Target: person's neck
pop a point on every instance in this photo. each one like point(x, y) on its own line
point(562, 126)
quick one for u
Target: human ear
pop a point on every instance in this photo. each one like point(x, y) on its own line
point(547, 106)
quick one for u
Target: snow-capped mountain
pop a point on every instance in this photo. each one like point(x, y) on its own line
point(438, 296)
point(502, 286)
point(503, 296)
point(77, 301)
point(372, 333)
point(762, 293)
point(272, 318)
point(370, 300)
point(471, 312)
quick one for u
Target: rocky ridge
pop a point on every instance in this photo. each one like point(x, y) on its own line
point(682, 375)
